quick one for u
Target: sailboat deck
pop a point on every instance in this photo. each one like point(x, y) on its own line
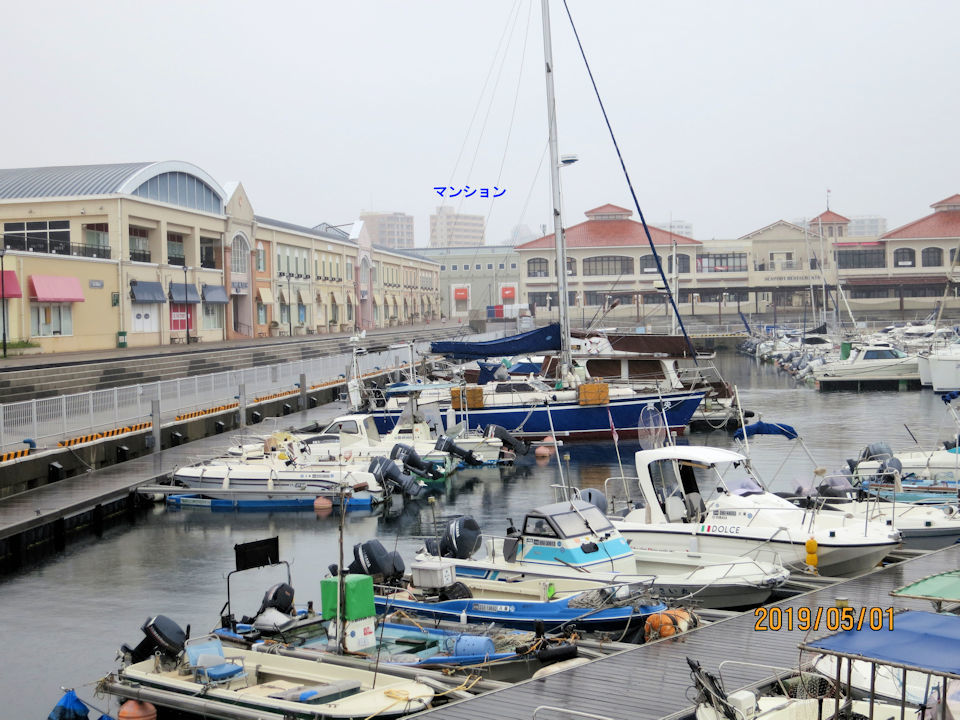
point(653, 681)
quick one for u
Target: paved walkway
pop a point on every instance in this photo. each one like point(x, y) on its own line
point(387, 335)
point(43, 505)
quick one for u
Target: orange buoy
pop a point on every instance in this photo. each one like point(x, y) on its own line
point(323, 506)
point(545, 450)
point(136, 710)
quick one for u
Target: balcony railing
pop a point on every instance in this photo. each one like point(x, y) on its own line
point(91, 251)
point(140, 256)
point(176, 260)
point(208, 263)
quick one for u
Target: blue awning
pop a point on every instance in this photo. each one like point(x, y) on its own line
point(145, 291)
point(918, 639)
point(215, 295)
point(178, 291)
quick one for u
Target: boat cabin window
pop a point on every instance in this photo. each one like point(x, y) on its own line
point(514, 387)
point(538, 526)
point(370, 427)
point(581, 522)
point(343, 426)
point(886, 354)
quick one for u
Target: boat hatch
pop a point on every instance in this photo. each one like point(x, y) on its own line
point(570, 522)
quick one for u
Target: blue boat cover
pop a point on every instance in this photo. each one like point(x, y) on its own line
point(532, 341)
point(765, 428)
point(70, 707)
point(947, 397)
point(919, 639)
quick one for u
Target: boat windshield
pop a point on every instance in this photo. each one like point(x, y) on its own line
point(743, 485)
point(582, 521)
point(342, 426)
point(665, 479)
point(370, 427)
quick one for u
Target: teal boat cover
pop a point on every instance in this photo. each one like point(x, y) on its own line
point(917, 639)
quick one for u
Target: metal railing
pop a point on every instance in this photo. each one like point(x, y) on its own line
point(49, 420)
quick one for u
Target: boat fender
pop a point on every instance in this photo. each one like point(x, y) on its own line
point(471, 645)
point(137, 710)
point(557, 652)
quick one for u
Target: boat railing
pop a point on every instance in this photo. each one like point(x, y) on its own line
point(777, 677)
point(576, 713)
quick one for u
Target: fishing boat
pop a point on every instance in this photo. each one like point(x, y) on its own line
point(742, 518)
point(200, 675)
point(572, 541)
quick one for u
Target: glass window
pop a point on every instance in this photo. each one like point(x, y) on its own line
point(932, 257)
point(581, 522)
point(454, 267)
point(240, 255)
point(444, 267)
point(261, 258)
point(261, 313)
point(648, 264)
point(50, 319)
point(571, 267)
point(513, 266)
point(501, 266)
point(181, 189)
point(541, 299)
point(861, 258)
point(538, 526)
point(904, 257)
point(301, 313)
point(284, 313)
point(96, 235)
point(538, 267)
point(683, 263)
point(608, 265)
point(342, 426)
point(212, 316)
point(721, 262)
point(489, 266)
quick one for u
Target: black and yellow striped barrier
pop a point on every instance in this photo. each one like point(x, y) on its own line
point(139, 426)
point(80, 440)
point(208, 411)
point(286, 393)
point(14, 454)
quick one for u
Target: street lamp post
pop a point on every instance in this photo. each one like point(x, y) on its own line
point(3, 297)
point(289, 305)
point(186, 315)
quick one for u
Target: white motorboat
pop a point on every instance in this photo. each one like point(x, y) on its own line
point(573, 541)
point(877, 362)
point(742, 518)
point(944, 367)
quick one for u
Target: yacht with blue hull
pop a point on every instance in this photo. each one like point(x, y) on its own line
point(532, 407)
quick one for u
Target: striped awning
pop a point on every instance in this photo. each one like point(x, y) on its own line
point(266, 295)
point(55, 288)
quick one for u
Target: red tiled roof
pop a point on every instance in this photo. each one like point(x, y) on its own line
point(608, 209)
point(829, 216)
point(952, 200)
point(609, 233)
point(941, 224)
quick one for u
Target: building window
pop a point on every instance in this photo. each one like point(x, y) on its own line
point(284, 313)
point(444, 267)
point(608, 265)
point(683, 264)
point(541, 299)
point(654, 299)
point(301, 314)
point(648, 264)
point(513, 266)
point(904, 257)
point(179, 188)
point(861, 258)
point(240, 255)
point(51, 319)
point(502, 266)
point(175, 252)
point(261, 313)
point(261, 258)
point(932, 257)
point(489, 266)
point(860, 293)
point(571, 267)
point(538, 267)
point(96, 235)
point(722, 262)
point(599, 297)
point(139, 244)
point(212, 316)
point(44, 236)
point(923, 290)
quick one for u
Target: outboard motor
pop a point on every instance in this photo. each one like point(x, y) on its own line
point(411, 460)
point(509, 441)
point(162, 635)
point(278, 597)
point(461, 539)
point(388, 474)
point(879, 452)
point(595, 497)
point(889, 470)
point(445, 444)
point(372, 558)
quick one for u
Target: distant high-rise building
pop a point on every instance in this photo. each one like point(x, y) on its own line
point(389, 229)
point(452, 229)
point(677, 227)
point(867, 225)
point(520, 234)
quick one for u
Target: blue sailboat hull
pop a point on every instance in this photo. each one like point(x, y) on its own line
point(571, 419)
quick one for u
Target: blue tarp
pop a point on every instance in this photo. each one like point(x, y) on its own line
point(764, 428)
point(533, 341)
point(925, 640)
point(948, 397)
point(69, 708)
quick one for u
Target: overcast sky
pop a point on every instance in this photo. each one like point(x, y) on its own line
point(731, 115)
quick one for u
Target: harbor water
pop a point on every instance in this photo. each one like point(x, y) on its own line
point(63, 622)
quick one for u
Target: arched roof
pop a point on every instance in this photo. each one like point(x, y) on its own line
point(113, 179)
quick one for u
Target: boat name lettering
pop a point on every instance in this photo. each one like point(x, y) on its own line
point(731, 529)
point(725, 513)
point(484, 607)
point(545, 543)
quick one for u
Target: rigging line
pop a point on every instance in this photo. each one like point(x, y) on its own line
point(633, 193)
point(483, 91)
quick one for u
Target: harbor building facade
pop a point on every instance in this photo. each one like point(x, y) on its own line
point(145, 254)
point(475, 278)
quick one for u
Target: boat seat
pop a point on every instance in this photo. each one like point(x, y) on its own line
point(675, 509)
point(320, 693)
point(695, 507)
point(209, 665)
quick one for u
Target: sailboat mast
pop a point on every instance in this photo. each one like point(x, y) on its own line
point(561, 270)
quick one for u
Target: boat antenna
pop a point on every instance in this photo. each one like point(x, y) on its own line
point(561, 260)
point(626, 174)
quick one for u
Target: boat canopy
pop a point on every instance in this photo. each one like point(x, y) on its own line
point(765, 428)
point(916, 640)
point(533, 341)
point(568, 519)
point(693, 453)
point(942, 587)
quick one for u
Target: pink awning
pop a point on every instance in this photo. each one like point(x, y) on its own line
point(10, 286)
point(55, 288)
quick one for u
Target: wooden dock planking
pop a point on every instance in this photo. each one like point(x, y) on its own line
point(653, 681)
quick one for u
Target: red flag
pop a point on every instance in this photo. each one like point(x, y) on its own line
point(613, 429)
